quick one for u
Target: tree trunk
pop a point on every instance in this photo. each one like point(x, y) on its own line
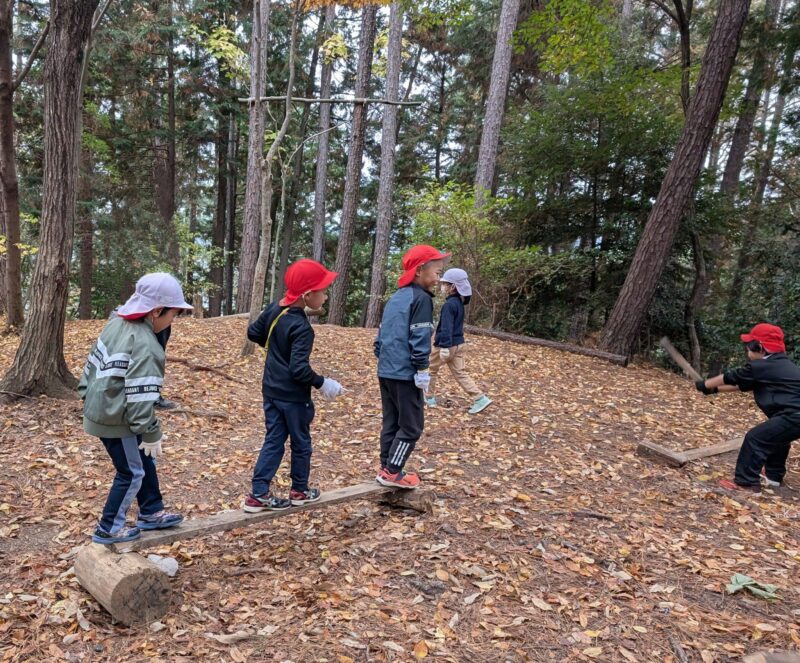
point(216, 273)
point(248, 250)
point(321, 176)
point(164, 153)
point(297, 165)
point(260, 276)
point(352, 183)
point(496, 101)
point(9, 184)
point(85, 235)
point(622, 328)
point(230, 214)
point(747, 115)
point(386, 185)
point(39, 366)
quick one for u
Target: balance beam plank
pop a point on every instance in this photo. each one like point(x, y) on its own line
point(223, 521)
point(661, 454)
point(714, 450)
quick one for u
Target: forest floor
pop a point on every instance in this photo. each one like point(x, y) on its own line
point(550, 539)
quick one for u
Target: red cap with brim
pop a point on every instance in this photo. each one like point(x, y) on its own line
point(305, 276)
point(414, 258)
point(770, 337)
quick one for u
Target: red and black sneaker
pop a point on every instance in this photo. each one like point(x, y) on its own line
point(397, 480)
point(727, 484)
point(301, 497)
point(255, 504)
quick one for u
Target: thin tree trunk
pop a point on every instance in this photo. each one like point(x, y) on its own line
point(747, 115)
point(352, 183)
point(321, 175)
point(297, 165)
point(216, 273)
point(39, 366)
point(386, 185)
point(260, 276)
point(9, 184)
point(496, 101)
point(230, 215)
point(85, 236)
point(249, 247)
point(622, 328)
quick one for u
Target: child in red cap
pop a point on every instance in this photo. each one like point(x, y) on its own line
point(775, 383)
point(284, 330)
point(403, 349)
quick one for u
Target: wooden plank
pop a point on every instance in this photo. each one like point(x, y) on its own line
point(231, 519)
point(621, 360)
point(714, 450)
point(679, 359)
point(661, 454)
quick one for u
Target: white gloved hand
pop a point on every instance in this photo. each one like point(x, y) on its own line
point(152, 449)
point(444, 354)
point(330, 389)
point(423, 380)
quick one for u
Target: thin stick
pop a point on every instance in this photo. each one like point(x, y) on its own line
point(36, 48)
point(349, 100)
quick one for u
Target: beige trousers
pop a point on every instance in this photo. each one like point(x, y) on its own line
point(456, 362)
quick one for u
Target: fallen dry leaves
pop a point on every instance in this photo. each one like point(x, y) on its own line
point(551, 539)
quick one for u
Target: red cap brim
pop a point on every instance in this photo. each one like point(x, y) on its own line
point(746, 338)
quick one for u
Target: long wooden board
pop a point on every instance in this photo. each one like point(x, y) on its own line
point(679, 458)
point(231, 519)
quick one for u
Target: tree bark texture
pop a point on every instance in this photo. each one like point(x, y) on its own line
point(85, 234)
point(216, 273)
point(231, 183)
point(496, 101)
point(352, 183)
point(622, 328)
point(39, 366)
point(386, 186)
point(248, 251)
point(321, 175)
point(9, 184)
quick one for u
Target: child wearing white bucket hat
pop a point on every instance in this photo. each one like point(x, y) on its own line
point(120, 385)
point(449, 347)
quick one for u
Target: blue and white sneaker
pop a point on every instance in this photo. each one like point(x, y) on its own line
point(125, 534)
point(159, 520)
point(480, 405)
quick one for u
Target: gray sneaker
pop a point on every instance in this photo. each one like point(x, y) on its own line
point(165, 404)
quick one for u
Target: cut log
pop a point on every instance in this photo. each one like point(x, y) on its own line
point(679, 458)
point(131, 588)
point(234, 518)
point(679, 359)
point(621, 360)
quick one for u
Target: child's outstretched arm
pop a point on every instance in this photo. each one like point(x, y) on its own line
point(715, 385)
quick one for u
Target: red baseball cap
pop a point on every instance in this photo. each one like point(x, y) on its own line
point(305, 276)
point(415, 257)
point(770, 337)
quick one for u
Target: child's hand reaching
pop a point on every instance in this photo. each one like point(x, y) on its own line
point(152, 449)
point(330, 389)
point(444, 354)
point(423, 380)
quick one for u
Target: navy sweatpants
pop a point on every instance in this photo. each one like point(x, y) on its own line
point(767, 445)
point(285, 419)
point(136, 477)
point(403, 421)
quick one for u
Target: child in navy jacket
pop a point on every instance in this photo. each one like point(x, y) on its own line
point(449, 347)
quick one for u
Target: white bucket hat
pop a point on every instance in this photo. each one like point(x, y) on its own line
point(154, 291)
point(459, 278)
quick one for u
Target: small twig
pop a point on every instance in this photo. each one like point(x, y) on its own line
point(202, 367)
point(198, 413)
point(14, 393)
point(582, 514)
point(676, 647)
point(34, 52)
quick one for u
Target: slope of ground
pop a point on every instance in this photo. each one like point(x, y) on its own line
point(550, 540)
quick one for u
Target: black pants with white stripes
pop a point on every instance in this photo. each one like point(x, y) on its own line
point(403, 421)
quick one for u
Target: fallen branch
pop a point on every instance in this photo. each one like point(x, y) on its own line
point(676, 647)
point(203, 367)
point(679, 458)
point(198, 413)
point(582, 514)
point(620, 360)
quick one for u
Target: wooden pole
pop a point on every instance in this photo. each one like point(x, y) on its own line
point(350, 100)
point(679, 359)
point(679, 458)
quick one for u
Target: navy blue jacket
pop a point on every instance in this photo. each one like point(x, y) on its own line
point(450, 330)
point(287, 374)
point(774, 381)
point(403, 343)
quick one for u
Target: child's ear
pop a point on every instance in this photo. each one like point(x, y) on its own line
point(158, 311)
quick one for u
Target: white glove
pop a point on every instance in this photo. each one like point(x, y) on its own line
point(444, 354)
point(152, 449)
point(423, 380)
point(330, 389)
